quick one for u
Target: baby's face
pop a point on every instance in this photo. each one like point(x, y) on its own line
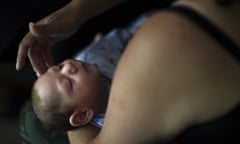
point(72, 82)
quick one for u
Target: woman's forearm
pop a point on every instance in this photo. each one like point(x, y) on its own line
point(83, 135)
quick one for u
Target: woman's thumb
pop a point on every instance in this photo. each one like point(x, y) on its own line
point(41, 30)
point(59, 24)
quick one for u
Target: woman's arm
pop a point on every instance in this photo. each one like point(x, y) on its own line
point(83, 135)
point(171, 76)
point(42, 35)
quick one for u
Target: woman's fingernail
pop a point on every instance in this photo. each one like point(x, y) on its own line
point(31, 24)
point(38, 74)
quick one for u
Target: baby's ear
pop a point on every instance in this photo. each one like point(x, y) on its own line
point(81, 117)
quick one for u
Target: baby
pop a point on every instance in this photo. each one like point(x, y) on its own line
point(70, 95)
point(75, 92)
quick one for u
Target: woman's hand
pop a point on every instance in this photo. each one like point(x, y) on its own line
point(59, 25)
point(37, 43)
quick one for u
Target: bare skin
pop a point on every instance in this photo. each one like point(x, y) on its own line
point(83, 135)
point(172, 76)
point(42, 35)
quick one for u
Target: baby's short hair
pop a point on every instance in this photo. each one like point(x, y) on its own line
point(49, 113)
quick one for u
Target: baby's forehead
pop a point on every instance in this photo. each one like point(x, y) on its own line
point(42, 82)
point(46, 88)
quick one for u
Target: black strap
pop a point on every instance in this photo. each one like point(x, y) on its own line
point(209, 27)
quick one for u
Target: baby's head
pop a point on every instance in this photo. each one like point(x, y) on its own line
point(69, 95)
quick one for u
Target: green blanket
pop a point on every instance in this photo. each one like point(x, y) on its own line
point(32, 132)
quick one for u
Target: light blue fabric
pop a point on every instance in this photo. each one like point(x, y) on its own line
point(107, 52)
point(98, 120)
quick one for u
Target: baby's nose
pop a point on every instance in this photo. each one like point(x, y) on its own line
point(69, 68)
point(54, 68)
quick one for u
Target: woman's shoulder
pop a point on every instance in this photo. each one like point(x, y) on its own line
point(173, 52)
point(188, 24)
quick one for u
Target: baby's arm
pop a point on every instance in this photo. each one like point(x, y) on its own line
point(83, 135)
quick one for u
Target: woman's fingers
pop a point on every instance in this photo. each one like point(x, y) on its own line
point(27, 42)
point(38, 51)
point(48, 59)
point(21, 56)
point(42, 36)
point(37, 61)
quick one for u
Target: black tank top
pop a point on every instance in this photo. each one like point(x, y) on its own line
point(225, 129)
point(213, 31)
